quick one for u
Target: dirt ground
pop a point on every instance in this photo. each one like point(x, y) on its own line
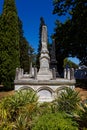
point(4, 94)
point(82, 93)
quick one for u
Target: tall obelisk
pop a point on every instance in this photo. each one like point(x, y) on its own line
point(44, 71)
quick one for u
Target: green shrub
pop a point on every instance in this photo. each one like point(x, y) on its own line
point(44, 108)
point(12, 106)
point(6, 126)
point(56, 121)
point(84, 129)
point(83, 116)
point(67, 101)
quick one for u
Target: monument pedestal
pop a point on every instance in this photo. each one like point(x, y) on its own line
point(44, 74)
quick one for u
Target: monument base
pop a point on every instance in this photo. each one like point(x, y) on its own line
point(46, 90)
point(44, 74)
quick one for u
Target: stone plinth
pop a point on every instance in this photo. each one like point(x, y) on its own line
point(46, 90)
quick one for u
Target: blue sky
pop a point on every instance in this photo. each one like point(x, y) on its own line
point(30, 12)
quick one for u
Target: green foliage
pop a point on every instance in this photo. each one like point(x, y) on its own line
point(22, 112)
point(22, 123)
point(70, 63)
point(71, 35)
point(6, 126)
point(84, 129)
point(67, 101)
point(44, 108)
point(9, 44)
point(83, 116)
point(11, 107)
point(57, 121)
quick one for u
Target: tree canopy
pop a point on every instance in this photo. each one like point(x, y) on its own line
point(9, 40)
point(71, 36)
point(14, 48)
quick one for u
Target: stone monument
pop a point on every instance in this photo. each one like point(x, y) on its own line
point(44, 71)
point(44, 83)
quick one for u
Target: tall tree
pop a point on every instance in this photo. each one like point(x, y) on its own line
point(39, 46)
point(1, 48)
point(61, 40)
point(71, 35)
point(9, 44)
point(26, 51)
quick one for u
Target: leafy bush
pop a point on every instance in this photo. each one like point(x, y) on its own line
point(57, 121)
point(83, 115)
point(67, 101)
point(44, 108)
point(13, 109)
